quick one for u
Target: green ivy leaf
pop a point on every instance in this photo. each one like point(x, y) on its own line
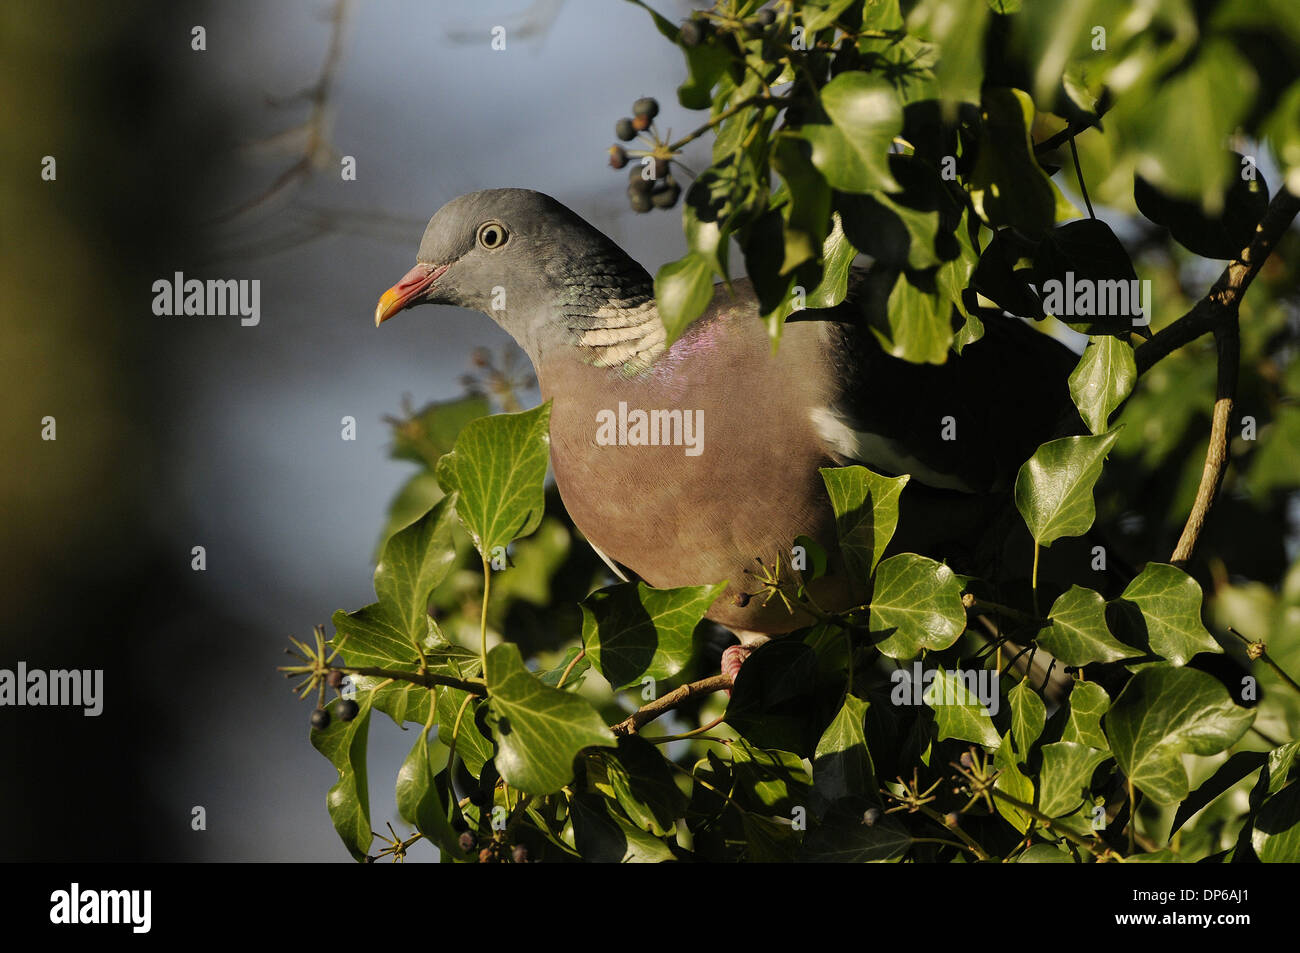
point(1210, 236)
point(916, 603)
point(344, 744)
point(958, 713)
point(958, 29)
point(632, 630)
point(1054, 487)
point(683, 289)
point(837, 261)
point(1103, 378)
point(916, 324)
point(1044, 854)
point(1164, 713)
point(538, 730)
point(1078, 634)
point(851, 152)
point(844, 839)
point(1238, 767)
point(1093, 278)
point(499, 468)
point(1028, 716)
point(1008, 186)
point(1276, 835)
point(1012, 782)
point(819, 14)
point(603, 837)
point(414, 562)
point(1067, 771)
point(866, 514)
point(1169, 602)
point(842, 765)
point(420, 803)
point(638, 778)
point(809, 208)
point(472, 745)
point(1088, 702)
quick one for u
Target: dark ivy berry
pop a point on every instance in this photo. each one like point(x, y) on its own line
point(766, 17)
point(666, 198)
point(692, 33)
point(624, 129)
point(636, 182)
point(646, 106)
point(640, 123)
point(617, 157)
point(334, 679)
point(346, 709)
point(640, 201)
point(520, 854)
point(468, 841)
point(320, 719)
point(870, 816)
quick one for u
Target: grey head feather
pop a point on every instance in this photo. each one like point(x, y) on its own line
point(555, 282)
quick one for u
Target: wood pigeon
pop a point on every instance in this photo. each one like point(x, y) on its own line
point(708, 494)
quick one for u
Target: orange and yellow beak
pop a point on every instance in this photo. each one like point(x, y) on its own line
point(416, 283)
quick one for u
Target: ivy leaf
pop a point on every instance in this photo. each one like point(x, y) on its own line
point(842, 765)
point(1078, 634)
point(605, 838)
point(1012, 782)
point(1008, 186)
point(916, 324)
point(1086, 277)
point(539, 730)
point(844, 839)
point(498, 467)
point(1054, 487)
point(1169, 603)
point(683, 289)
point(917, 603)
point(420, 803)
point(1164, 713)
point(1028, 716)
point(1276, 835)
point(1102, 379)
point(819, 14)
point(1210, 236)
point(809, 208)
point(837, 261)
point(632, 630)
point(414, 562)
point(1238, 767)
point(958, 713)
point(371, 636)
point(472, 745)
point(1088, 702)
point(958, 29)
point(1067, 770)
point(638, 778)
point(866, 514)
point(1044, 854)
point(852, 151)
point(344, 743)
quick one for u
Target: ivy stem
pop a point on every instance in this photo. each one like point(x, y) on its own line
point(1257, 650)
point(1033, 581)
point(724, 116)
point(1078, 172)
point(569, 668)
point(971, 843)
point(647, 713)
point(1015, 615)
point(1050, 824)
point(482, 625)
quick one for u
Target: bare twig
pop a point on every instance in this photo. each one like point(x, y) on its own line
point(1218, 312)
point(648, 713)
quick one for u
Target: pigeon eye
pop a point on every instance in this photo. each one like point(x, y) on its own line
point(491, 235)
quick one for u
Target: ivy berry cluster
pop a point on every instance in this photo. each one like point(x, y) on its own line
point(650, 183)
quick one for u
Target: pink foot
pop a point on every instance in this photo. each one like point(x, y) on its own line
point(732, 658)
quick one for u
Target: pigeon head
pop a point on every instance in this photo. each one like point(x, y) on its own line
point(535, 267)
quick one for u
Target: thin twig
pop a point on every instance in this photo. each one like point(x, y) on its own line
point(648, 713)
